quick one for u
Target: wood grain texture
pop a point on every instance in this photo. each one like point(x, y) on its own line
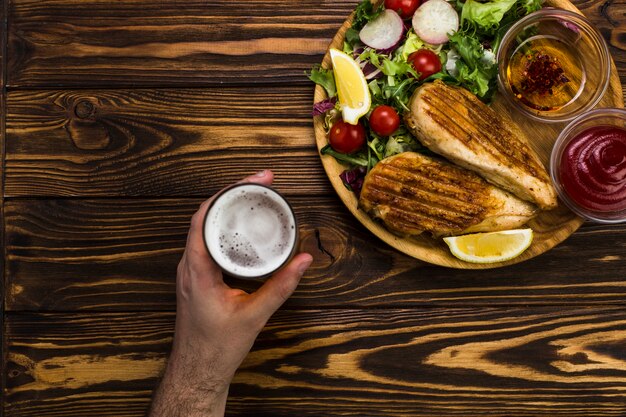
point(142, 42)
point(609, 17)
point(444, 362)
point(3, 43)
point(182, 142)
point(102, 365)
point(122, 255)
point(139, 42)
point(370, 332)
point(3, 27)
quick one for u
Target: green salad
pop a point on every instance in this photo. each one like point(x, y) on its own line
point(398, 50)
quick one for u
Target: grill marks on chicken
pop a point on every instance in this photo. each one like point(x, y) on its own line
point(477, 128)
point(454, 123)
point(412, 193)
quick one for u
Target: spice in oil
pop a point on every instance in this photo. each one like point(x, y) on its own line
point(545, 73)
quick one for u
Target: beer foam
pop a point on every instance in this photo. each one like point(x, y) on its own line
point(250, 230)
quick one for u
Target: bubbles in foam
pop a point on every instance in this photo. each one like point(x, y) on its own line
point(250, 230)
point(239, 251)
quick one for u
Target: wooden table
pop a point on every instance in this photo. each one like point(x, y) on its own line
point(120, 117)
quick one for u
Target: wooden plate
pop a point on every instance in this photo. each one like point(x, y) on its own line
point(550, 227)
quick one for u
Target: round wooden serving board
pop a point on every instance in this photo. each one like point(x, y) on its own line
point(550, 227)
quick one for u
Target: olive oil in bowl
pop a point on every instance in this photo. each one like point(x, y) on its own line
point(545, 73)
point(553, 65)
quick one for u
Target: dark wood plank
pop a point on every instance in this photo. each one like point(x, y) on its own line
point(108, 364)
point(2, 224)
point(3, 27)
point(444, 362)
point(3, 42)
point(139, 42)
point(143, 42)
point(609, 17)
point(122, 255)
point(159, 142)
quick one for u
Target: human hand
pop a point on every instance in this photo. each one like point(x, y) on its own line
point(215, 325)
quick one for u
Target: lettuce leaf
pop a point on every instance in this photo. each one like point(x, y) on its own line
point(325, 78)
point(485, 17)
point(411, 44)
point(521, 9)
point(401, 141)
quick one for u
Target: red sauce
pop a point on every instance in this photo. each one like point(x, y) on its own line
point(593, 169)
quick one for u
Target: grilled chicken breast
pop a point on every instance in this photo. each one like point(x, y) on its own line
point(454, 123)
point(413, 193)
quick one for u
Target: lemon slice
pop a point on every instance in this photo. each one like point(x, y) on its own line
point(352, 89)
point(490, 247)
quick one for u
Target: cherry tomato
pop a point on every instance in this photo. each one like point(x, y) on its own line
point(346, 138)
point(405, 8)
point(426, 62)
point(384, 120)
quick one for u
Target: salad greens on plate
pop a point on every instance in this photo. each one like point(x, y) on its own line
point(455, 42)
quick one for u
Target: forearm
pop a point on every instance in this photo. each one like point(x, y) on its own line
point(216, 325)
point(187, 391)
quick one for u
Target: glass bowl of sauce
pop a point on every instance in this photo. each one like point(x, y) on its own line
point(553, 65)
point(588, 165)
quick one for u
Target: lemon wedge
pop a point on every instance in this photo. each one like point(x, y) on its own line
point(352, 89)
point(490, 247)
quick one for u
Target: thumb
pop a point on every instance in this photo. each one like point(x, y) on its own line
point(280, 286)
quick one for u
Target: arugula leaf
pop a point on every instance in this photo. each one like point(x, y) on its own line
point(530, 6)
point(365, 12)
point(400, 94)
point(446, 78)
point(356, 159)
point(325, 78)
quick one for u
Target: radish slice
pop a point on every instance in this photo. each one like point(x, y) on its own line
point(434, 20)
point(383, 33)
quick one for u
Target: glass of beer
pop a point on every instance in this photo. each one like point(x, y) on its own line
point(250, 230)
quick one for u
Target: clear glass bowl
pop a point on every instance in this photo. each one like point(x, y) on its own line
point(577, 48)
point(593, 119)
